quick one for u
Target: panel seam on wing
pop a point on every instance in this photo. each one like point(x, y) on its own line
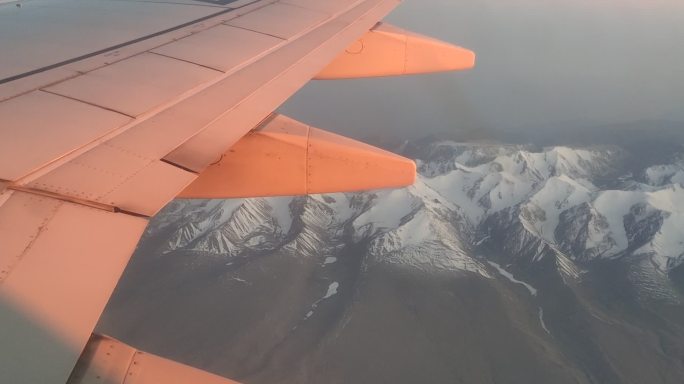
point(130, 364)
point(65, 198)
point(186, 61)
point(5, 272)
point(292, 65)
point(86, 102)
point(259, 32)
point(183, 96)
point(115, 47)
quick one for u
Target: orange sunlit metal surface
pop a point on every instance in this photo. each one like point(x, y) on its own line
point(387, 50)
point(61, 262)
point(109, 361)
point(287, 70)
point(286, 157)
point(96, 143)
point(59, 275)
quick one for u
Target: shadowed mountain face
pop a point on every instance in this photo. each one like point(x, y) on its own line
point(502, 264)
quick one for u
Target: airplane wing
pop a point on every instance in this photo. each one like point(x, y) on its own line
point(110, 109)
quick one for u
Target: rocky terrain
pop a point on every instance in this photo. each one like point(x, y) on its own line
point(502, 264)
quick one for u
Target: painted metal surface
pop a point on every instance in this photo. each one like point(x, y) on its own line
point(39, 127)
point(281, 20)
point(150, 369)
point(268, 161)
point(117, 177)
point(109, 54)
point(31, 83)
point(45, 32)
point(151, 189)
point(22, 225)
point(287, 69)
point(65, 257)
point(125, 172)
point(104, 361)
point(198, 111)
point(390, 51)
point(109, 361)
point(222, 47)
point(137, 84)
point(337, 163)
point(330, 7)
point(286, 157)
point(203, 107)
point(69, 258)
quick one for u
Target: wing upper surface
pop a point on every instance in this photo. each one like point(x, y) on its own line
point(109, 361)
point(180, 110)
point(60, 262)
point(98, 131)
point(92, 145)
point(43, 33)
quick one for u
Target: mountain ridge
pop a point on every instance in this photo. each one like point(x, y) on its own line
point(500, 264)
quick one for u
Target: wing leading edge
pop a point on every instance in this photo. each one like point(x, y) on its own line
point(125, 129)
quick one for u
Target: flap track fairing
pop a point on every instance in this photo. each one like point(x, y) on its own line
point(387, 50)
point(285, 157)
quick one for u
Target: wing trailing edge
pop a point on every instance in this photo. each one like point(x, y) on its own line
point(287, 157)
point(109, 361)
point(386, 50)
point(59, 263)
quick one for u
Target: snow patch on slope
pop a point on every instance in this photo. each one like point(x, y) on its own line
point(667, 246)
point(511, 278)
point(659, 175)
point(332, 290)
point(540, 200)
point(543, 210)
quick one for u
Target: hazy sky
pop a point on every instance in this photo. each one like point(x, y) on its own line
point(540, 63)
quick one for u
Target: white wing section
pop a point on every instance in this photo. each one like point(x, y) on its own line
point(63, 30)
point(237, 46)
point(185, 106)
point(60, 262)
point(96, 138)
point(287, 69)
point(109, 361)
point(32, 139)
point(135, 85)
point(109, 109)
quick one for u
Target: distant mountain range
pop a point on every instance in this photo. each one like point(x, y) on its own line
point(561, 228)
point(553, 202)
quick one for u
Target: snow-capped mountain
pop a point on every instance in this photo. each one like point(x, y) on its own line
point(501, 263)
point(528, 203)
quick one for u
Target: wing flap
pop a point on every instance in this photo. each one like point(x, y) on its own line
point(109, 361)
point(286, 157)
point(118, 178)
point(65, 260)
